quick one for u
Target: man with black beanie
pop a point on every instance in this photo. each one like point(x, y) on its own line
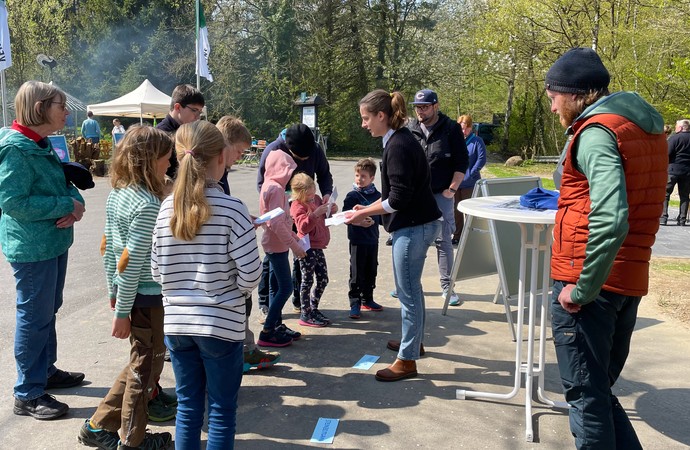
point(611, 194)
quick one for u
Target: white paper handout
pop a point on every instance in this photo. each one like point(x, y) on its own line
point(272, 214)
point(305, 243)
point(337, 219)
point(331, 200)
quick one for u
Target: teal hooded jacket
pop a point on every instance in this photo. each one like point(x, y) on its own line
point(34, 194)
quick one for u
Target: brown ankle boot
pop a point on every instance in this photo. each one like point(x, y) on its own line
point(399, 370)
point(395, 346)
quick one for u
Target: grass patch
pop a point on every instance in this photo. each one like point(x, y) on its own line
point(543, 171)
point(673, 265)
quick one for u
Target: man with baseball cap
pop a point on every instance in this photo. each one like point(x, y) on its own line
point(446, 152)
point(612, 191)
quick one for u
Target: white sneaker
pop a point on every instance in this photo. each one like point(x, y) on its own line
point(263, 313)
point(454, 299)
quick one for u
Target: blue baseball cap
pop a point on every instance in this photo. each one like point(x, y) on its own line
point(425, 97)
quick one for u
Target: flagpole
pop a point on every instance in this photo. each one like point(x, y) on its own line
point(196, 40)
point(4, 104)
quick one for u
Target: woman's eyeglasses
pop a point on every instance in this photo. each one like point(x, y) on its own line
point(63, 105)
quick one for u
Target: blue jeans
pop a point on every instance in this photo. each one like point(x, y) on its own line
point(444, 243)
point(410, 246)
point(39, 296)
point(280, 288)
point(591, 347)
point(204, 365)
point(263, 290)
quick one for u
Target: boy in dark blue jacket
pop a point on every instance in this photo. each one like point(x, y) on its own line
point(364, 240)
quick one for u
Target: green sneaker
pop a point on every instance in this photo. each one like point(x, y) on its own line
point(169, 399)
point(259, 359)
point(152, 441)
point(160, 412)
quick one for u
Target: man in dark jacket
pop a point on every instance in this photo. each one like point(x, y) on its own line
point(298, 142)
point(679, 170)
point(446, 152)
point(185, 106)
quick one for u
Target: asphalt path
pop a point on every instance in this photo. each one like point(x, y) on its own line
point(470, 348)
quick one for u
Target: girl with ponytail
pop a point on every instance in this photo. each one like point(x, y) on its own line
point(206, 259)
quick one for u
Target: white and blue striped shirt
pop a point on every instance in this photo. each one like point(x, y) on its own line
point(204, 281)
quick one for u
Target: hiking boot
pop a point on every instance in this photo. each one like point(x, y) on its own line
point(282, 328)
point(273, 339)
point(259, 359)
point(311, 320)
point(355, 311)
point(371, 305)
point(99, 438)
point(62, 379)
point(319, 315)
point(167, 399)
point(395, 346)
point(45, 407)
point(159, 411)
point(152, 441)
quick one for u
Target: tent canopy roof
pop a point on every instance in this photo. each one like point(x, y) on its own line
point(144, 102)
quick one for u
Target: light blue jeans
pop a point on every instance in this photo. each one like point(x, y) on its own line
point(410, 246)
point(444, 243)
point(204, 365)
point(39, 297)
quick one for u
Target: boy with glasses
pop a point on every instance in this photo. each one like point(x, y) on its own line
point(186, 106)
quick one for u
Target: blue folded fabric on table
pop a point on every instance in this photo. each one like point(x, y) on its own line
point(540, 198)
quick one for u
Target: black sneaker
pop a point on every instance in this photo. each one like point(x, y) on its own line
point(103, 439)
point(282, 328)
point(45, 407)
point(152, 441)
point(273, 339)
point(319, 315)
point(63, 380)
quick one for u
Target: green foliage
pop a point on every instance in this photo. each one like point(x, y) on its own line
point(483, 57)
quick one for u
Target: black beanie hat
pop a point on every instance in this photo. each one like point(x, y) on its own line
point(300, 140)
point(578, 71)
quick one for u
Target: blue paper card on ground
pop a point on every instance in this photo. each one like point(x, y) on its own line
point(325, 430)
point(366, 362)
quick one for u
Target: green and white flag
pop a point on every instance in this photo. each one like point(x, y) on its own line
point(5, 53)
point(203, 48)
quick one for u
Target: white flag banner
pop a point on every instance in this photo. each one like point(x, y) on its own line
point(203, 47)
point(5, 52)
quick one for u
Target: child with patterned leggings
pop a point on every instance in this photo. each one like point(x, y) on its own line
point(309, 214)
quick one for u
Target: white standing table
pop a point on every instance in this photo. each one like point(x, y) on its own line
point(500, 208)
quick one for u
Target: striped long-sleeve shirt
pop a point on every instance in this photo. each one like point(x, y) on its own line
point(205, 280)
point(130, 215)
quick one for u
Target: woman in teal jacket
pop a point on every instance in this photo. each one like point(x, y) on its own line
point(39, 209)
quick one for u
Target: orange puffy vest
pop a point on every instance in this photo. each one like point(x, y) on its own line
point(645, 162)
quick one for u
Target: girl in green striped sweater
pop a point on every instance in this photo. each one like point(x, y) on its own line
point(137, 177)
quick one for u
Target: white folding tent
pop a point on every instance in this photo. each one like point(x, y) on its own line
point(144, 102)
